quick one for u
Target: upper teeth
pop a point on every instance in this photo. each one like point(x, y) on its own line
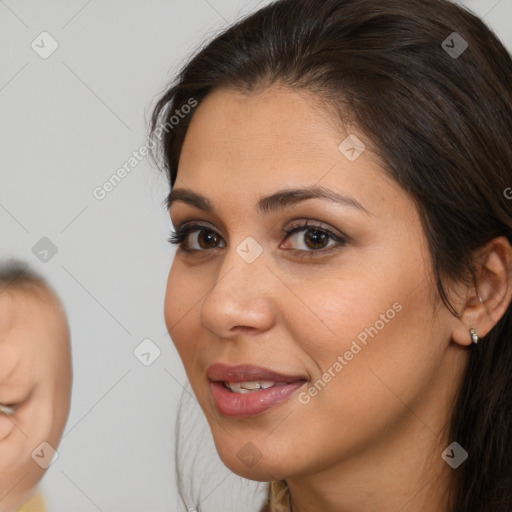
point(248, 386)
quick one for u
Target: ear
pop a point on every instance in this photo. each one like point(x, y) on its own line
point(488, 300)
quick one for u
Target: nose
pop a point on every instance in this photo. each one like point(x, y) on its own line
point(242, 298)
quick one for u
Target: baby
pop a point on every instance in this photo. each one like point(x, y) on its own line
point(35, 383)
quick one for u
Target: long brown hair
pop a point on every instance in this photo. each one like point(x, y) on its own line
point(430, 85)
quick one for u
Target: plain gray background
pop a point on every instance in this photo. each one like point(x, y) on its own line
point(68, 122)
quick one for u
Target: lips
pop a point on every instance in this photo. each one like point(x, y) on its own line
point(245, 390)
point(220, 372)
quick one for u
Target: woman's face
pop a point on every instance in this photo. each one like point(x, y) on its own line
point(342, 307)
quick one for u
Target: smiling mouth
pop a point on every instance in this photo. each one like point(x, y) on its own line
point(251, 386)
point(246, 390)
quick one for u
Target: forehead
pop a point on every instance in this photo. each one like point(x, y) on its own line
point(24, 312)
point(36, 346)
point(260, 129)
point(241, 146)
point(32, 327)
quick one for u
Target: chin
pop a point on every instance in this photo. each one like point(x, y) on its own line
point(248, 461)
point(260, 472)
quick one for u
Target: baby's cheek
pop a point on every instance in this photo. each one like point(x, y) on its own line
point(13, 453)
point(41, 419)
point(6, 427)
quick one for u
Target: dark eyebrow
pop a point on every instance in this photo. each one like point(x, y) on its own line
point(278, 201)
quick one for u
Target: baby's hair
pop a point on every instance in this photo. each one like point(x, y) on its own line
point(17, 276)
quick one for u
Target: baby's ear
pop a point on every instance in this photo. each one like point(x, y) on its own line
point(490, 297)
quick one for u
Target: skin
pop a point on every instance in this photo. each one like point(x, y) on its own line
point(35, 374)
point(371, 439)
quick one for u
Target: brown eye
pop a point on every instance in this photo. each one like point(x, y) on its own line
point(207, 239)
point(196, 237)
point(315, 239)
point(312, 238)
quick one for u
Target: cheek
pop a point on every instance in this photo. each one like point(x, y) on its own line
point(183, 299)
point(61, 399)
point(18, 471)
point(16, 448)
point(6, 428)
point(383, 354)
point(336, 312)
point(369, 309)
point(365, 337)
point(185, 288)
point(11, 455)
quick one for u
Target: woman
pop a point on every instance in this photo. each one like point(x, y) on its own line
point(340, 296)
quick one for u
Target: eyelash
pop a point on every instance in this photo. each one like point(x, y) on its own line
point(179, 236)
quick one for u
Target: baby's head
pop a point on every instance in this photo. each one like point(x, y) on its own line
point(35, 380)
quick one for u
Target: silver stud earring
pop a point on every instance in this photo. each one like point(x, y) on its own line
point(474, 335)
